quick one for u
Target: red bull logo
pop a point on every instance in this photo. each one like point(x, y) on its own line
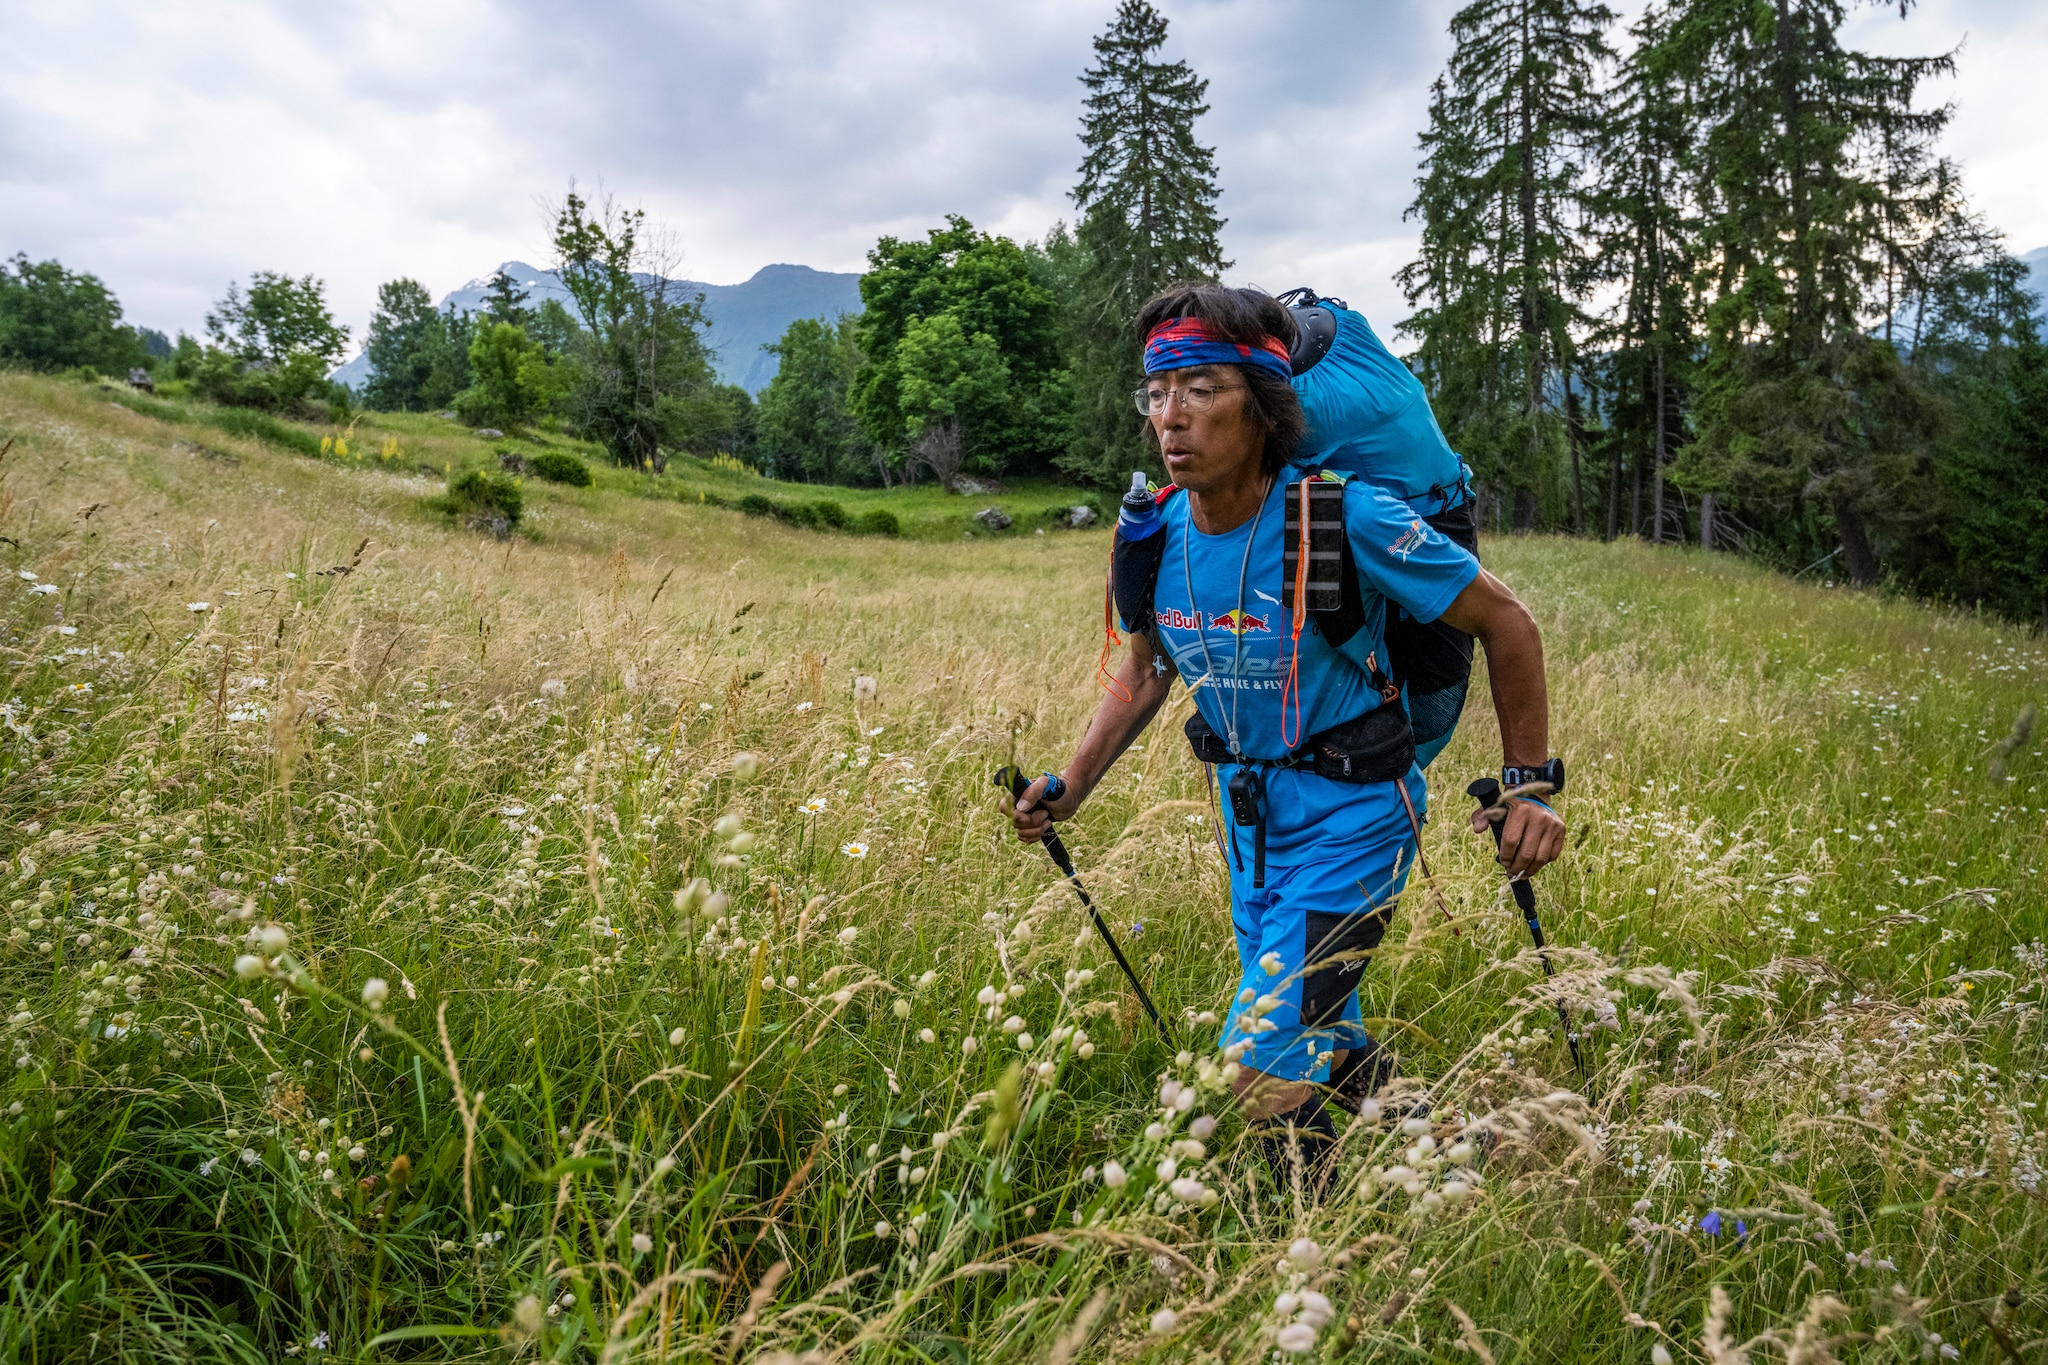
point(1237, 622)
point(1172, 619)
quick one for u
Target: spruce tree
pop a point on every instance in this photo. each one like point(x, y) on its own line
point(1147, 200)
point(1498, 287)
point(505, 301)
point(1812, 165)
point(1644, 233)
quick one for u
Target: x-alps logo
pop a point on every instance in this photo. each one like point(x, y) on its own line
point(1412, 539)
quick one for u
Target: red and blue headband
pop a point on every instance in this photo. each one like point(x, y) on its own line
point(1179, 343)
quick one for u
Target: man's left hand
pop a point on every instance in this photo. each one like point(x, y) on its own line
point(1530, 840)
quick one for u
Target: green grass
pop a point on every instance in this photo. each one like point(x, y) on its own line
point(482, 772)
point(432, 444)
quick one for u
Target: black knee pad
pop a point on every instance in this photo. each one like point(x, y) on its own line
point(1326, 985)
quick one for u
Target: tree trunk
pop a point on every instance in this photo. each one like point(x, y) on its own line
point(1635, 497)
point(1657, 500)
point(1657, 506)
point(1571, 431)
point(1706, 521)
point(1614, 494)
point(1525, 509)
point(1531, 321)
point(1856, 553)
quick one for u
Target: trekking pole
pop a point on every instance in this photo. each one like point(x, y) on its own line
point(1012, 780)
point(1486, 791)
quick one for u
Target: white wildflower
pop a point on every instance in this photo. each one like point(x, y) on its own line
point(1296, 1338)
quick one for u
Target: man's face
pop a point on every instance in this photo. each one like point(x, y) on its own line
point(1210, 447)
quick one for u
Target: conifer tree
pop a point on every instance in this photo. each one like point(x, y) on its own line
point(1811, 165)
point(1644, 233)
point(505, 301)
point(1147, 199)
point(1498, 285)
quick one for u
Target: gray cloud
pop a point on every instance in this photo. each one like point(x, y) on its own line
point(172, 148)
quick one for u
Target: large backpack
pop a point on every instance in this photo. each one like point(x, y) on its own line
point(1368, 414)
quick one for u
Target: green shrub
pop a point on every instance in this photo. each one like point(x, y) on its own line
point(485, 501)
point(559, 466)
point(150, 406)
point(296, 383)
point(823, 515)
point(263, 427)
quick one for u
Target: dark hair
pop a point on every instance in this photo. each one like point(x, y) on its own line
point(1247, 316)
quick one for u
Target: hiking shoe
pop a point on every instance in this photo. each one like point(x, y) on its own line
point(1363, 1073)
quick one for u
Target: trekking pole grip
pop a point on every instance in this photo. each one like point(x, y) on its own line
point(1486, 791)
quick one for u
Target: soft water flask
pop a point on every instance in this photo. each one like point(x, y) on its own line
point(1141, 515)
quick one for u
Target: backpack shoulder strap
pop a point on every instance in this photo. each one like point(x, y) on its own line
point(1331, 582)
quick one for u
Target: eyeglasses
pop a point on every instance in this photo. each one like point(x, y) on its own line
point(1151, 401)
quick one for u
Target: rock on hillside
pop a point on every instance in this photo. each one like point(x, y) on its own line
point(744, 317)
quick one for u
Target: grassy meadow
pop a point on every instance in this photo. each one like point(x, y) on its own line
point(604, 944)
point(434, 446)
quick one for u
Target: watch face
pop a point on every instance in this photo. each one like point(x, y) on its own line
point(1551, 773)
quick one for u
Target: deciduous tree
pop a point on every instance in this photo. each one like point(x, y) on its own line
point(53, 319)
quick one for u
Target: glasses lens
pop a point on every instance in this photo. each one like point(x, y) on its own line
point(1148, 400)
point(1198, 397)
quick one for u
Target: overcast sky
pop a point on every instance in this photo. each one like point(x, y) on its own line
point(171, 147)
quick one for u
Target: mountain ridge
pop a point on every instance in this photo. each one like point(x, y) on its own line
point(743, 317)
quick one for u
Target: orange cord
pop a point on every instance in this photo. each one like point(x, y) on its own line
point(1105, 679)
point(1292, 685)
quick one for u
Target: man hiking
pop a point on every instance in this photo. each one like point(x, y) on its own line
point(1307, 736)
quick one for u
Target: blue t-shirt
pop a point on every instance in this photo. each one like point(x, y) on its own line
point(1369, 416)
point(1237, 681)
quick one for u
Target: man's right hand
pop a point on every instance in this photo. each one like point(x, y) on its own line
point(1033, 814)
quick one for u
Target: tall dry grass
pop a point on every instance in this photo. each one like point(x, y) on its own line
point(682, 930)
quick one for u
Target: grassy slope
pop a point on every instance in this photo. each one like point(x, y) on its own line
point(431, 445)
point(1791, 878)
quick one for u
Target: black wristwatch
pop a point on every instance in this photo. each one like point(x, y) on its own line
point(1551, 772)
